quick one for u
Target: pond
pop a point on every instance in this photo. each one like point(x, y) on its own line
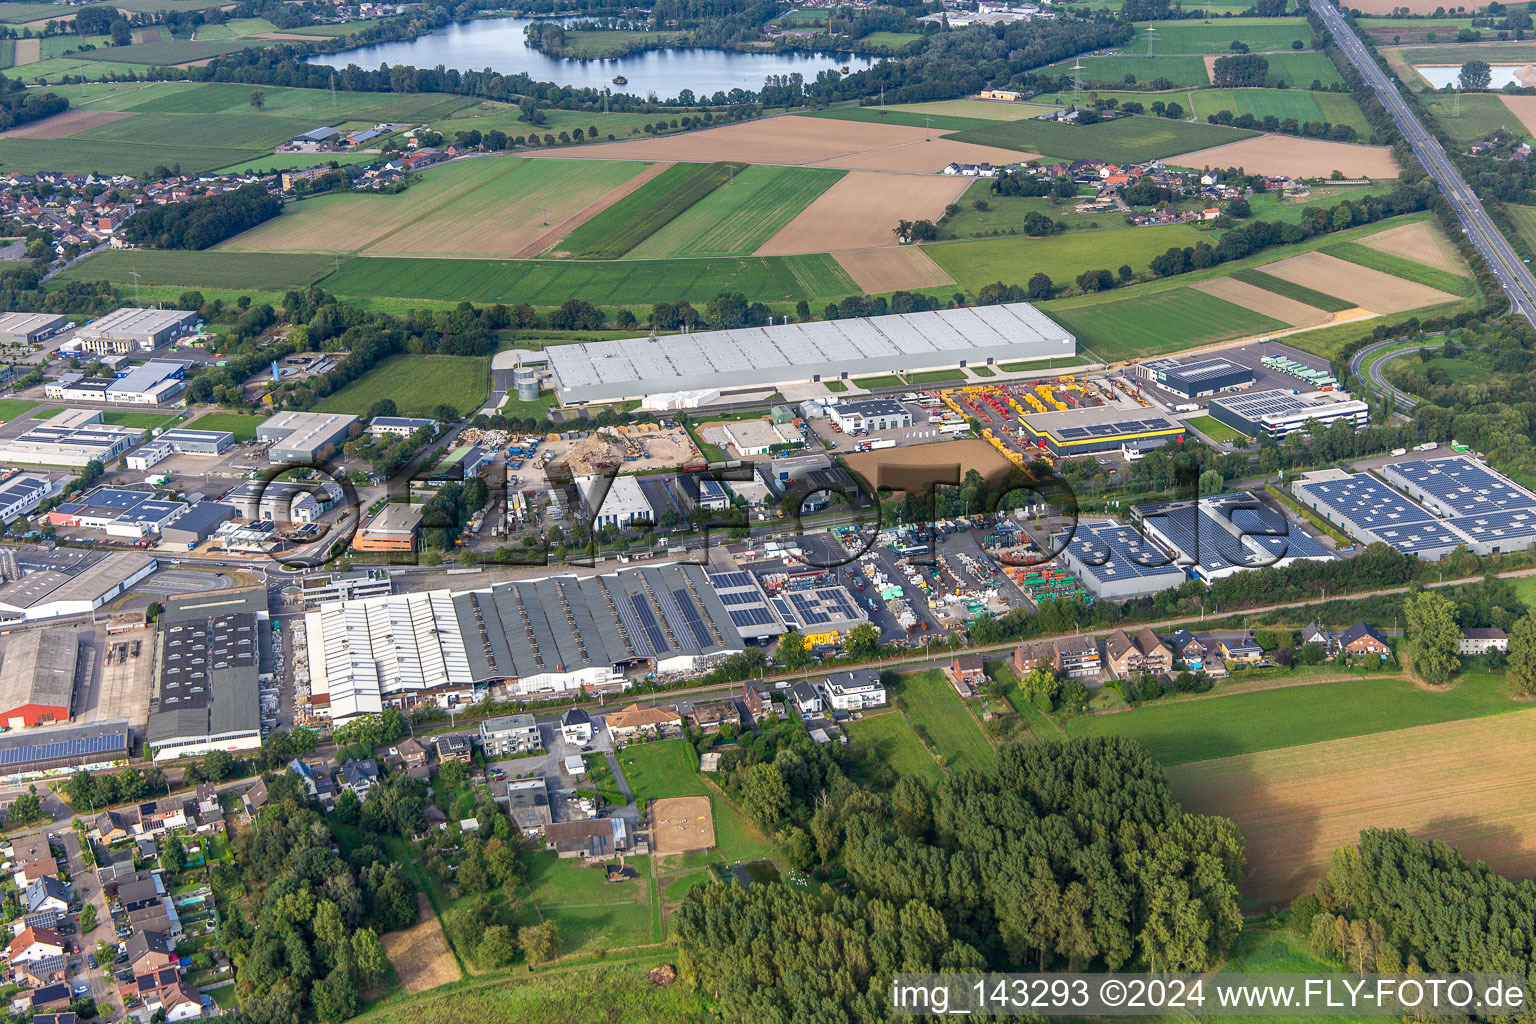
point(499, 44)
point(1442, 75)
point(754, 872)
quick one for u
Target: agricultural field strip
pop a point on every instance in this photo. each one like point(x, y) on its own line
point(738, 217)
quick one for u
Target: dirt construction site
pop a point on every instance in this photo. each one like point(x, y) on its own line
point(682, 824)
point(640, 447)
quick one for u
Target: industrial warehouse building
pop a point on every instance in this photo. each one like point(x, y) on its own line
point(207, 674)
point(1106, 429)
point(20, 495)
point(1196, 378)
point(1224, 534)
point(278, 501)
point(1114, 562)
point(871, 414)
point(37, 677)
point(399, 426)
point(1493, 512)
point(96, 747)
point(304, 438)
point(1370, 511)
point(118, 512)
point(759, 357)
point(127, 329)
point(29, 328)
point(393, 529)
point(72, 438)
point(181, 441)
point(1278, 413)
point(86, 585)
point(157, 382)
point(196, 524)
point(614, 501)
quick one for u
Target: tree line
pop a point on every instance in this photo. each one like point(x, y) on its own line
point(201, 222)
point(20, 105)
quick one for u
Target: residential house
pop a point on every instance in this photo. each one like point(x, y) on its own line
point(591, 839)
point(967, 674)
point(1244, 650)
point(1028, 657)
point(110, 827)
point(710, 717)
point(255, 798)
point(455, 748)
point(527, 801)
point(34, 944)
point(410, 755)
point(757, 700)
point(48, 894)
point(854, 691)
point(807, 699)
point(637, 721)
point(156, 917)
point(1158, 654)
point(1077, 656)
point(140, 892)
point(1360, 639)
point(46, 970)
point(150, 950)
point(49, 997)
point(576, 727)
point(54, 1018)
point(32, 858)
point(1189, 648)
point(1327, 639)
point(208, 799)
point(360, 776)
point(37, 919)
point(509, 734)
point(177, 1001)
point(1145, 652)
point(1482, 639)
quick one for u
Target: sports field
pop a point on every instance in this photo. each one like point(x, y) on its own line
point(739, 216)
point(1164, 321)
point(669, 768)
point(1062, 257)
point(1467, 783)
point(816, 278)
point(930, 702)
point(1218, 36)
point(1123, 140)
point(1179, 732)
point(418, 384)
point(255, 271)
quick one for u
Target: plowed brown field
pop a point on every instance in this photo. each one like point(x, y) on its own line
point(1241, 293)
point(1421, 242)
point(861, 209)
point(891, 268)
point(1303, 158)
point(1370, 289)
point(68, 123)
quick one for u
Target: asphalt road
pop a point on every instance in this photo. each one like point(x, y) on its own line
point(1512, 273)
point(1373, 378)
point(88, 889)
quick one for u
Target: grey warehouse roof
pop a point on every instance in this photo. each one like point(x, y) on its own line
point(209, 662)
point(38, 668)
point(763, 355)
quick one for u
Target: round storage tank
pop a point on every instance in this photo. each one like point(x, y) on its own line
point(527, 380)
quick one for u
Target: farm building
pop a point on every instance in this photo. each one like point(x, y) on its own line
point(304, 438)
point(37, 677)
point(74, 437)
point(89, 584)
point(207, 674)
point(1107, 429)
point(872, 414)
point(1219, 536)
point(1278, 413)
point(29, 328)
point(757, 357)
point(1115, 562)
point(95, 747)
point(129, 329)
point(1196, 378)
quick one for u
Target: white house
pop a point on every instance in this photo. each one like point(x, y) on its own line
point(1481, 640)
point(854, 691)
point(807, 698)
point(576, 727)
point(47, 894)
point(34, 944)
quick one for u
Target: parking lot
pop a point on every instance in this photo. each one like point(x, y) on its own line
point(1252, 356)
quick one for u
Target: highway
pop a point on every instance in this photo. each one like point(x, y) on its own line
point(1512, 273)
point(1372, 375)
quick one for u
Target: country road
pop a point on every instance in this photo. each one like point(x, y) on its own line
point(1512, 273)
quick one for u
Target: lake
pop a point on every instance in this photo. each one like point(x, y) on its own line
point(1442, 75)
point(499, 44)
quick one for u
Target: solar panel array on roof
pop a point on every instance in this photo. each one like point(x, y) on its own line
point(1110, 553)
point(746, 604)
point(1228, 533)
point(828, 607)
point(36, 750)
point(1374, 511)
point(752, 616)
point(1112, 429)
point(1459, 486)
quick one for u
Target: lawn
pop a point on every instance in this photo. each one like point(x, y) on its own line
point(1216, 430)
point(260, 271)
point(643, 212)
point(1062, 257)
point(239, 424)
point(10, 408)
point(1291, 290)
point(1165, 72)
point(669, 768)
point(888, 737)
point(592, 913)
point(1124, 140)
point(739, 216)
point(1165, 321)
point(1217, 36)
point(932, 705)
point(816, 278)
point(1481, 114)
point(138, 420)
point(1244, 723)
point(418, 384)
point(971, 110)
point(1336, 108)
point(1399, 266)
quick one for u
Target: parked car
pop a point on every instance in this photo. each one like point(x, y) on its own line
point(90, 959)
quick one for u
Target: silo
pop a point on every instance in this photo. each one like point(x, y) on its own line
point(527, 380)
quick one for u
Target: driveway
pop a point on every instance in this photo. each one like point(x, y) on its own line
point(88, 890)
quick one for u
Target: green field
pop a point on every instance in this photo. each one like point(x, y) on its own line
point(643, 212)
point(1217, 36)
point(1474, 116)
point(20, 13)
point(418, 384)
point(739, 216)
point(253, 270)
point(1301, 293)
point(619, 992)
point(928, 700)
point(1216, 430)
point(1142, 70)
point(10, 408)
point(1273, 206)
point(83, 157)
point(1197, 730)
point(627, 282)
point(172, 51)
point(878, 41)
point(1014, 260)
point(670, 768)
point(234, 28)
point(590, 912)
point(1304, 106)
point(138, 420)
point(1164, 321)
point(984, 110)
point(239, 424)
point(912, 116)
point(508, 118)
point(1123, 140)
point(1525, 221)
point(889, 739)
point(1301, 70)
point(1399, 266)
point(1005, 215)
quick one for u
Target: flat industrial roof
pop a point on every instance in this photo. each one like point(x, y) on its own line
point(1111, 553)
point(147, 376)
point(27, 323)
point(927, 337)
point(132, 322)
point(89, 583)
point(396, 517)
point(24, 749)
point(1261, 406)
point(1196, 370)
point(1392, 517)
point(39, 668)
point(1099, 423)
